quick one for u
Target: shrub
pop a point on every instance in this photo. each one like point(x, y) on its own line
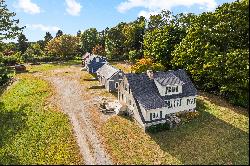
point(3, 75)
point(158, 127)
point(187, 116)
point(3, 71)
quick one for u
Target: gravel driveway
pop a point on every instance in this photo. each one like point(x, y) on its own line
point(69, 97)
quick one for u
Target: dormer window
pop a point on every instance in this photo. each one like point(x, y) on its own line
point(172, 89)
point(97, 59)
point(168, 84)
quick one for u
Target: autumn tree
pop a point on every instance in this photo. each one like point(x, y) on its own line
point(99, 50)
point(63, 47)
point(144, 64)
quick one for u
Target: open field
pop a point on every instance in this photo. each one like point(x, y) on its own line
point(219, 135)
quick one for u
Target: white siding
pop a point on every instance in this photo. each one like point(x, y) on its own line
point(162, 89)
point(184, 106)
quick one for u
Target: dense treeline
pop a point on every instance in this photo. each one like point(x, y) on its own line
point(212, 47)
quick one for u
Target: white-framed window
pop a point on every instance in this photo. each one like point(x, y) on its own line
point(174, 89)
point(97, 60)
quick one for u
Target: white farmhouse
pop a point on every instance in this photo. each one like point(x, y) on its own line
point(151, 97)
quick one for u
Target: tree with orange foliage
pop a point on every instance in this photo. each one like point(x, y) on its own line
point(99, 50)
point(145, 64)
point(65, 46)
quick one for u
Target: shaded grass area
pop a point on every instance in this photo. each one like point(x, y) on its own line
point(216, 136)
point(31, 134)
point(6, 73)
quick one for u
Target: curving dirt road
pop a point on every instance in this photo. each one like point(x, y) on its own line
point(69, 97)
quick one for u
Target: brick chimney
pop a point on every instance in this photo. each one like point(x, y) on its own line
point(150, 74)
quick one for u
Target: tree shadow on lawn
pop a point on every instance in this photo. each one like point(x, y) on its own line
point(205, 140)
point(89, 79)
point(11, 123)
point(97, 87)
point(217, 100)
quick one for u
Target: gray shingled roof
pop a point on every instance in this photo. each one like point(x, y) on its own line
point(107, 71)
point(165, 78)
point(92, 56)
point(146, 93)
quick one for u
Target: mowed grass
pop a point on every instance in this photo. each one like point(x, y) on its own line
point(31, 134)
point(52, 66)
point(217, 136)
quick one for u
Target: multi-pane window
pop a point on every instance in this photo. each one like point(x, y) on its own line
point(172, 89)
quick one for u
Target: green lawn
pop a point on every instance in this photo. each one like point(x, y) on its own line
point(52, 66)
point(31, 134)
point(217, 136)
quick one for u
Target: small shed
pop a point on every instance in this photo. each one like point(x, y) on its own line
point(94, 62)
point(110, 77)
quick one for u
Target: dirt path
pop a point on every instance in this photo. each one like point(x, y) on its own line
point(68, 96)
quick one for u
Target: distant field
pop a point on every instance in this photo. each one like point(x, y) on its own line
point(218, 136)
point(31, 133)
point(125, 67)
point(51, 66)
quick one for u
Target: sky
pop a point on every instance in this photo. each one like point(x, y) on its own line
point(70, 16)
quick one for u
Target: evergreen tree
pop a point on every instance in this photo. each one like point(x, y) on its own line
point(22, 43)
point(59, 33)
